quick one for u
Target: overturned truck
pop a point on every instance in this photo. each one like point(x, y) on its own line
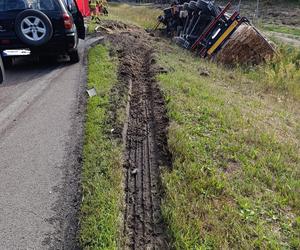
point(215, 32)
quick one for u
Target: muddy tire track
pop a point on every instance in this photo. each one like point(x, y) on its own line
point(143, 222)
point(145, 141)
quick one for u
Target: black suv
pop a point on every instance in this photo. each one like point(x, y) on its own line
point(40, 27)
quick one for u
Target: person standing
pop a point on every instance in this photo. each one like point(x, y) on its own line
point(105, 7)
point(98, 8)
point(92, 6)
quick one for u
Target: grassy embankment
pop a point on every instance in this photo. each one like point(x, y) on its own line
point(102, 157)
point(235, 182)
point(139, 15)
point(235, 140)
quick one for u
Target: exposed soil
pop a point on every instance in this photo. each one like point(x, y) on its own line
point(277, 12)
point(145, 139)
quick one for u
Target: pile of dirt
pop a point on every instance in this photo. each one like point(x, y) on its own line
point(145, 139)
point(245, 45)
point(111, 27)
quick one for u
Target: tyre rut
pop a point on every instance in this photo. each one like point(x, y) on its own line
point(145, 141)
point(143, 221)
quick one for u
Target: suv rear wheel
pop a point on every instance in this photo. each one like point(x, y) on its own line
point(2, 74)
point(8, 61)
point(33, 27)
point(74, 56)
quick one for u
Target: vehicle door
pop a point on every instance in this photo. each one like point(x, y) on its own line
point(77, 16)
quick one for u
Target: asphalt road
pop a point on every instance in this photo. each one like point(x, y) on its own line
point(41, 117)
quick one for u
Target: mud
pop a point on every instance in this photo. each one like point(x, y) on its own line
point(144, 136)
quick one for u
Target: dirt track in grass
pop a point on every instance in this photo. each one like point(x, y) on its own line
point(144, 136)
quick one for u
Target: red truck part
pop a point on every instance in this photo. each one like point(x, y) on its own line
point(83, 5)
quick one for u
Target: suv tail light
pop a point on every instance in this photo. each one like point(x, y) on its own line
point(68, 21)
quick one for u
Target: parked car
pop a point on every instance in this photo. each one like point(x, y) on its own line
point(40, 27)
point(2, 74)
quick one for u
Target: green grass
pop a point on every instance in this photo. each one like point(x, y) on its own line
point(282, 29)
point(91, 27)
point(135, 14)
point(235, 140)
point(102, 157)
point(141, 15)
point(279, 76)
point(236, 177)
point(138, 15)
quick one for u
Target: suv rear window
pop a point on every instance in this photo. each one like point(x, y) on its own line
point(6, 5)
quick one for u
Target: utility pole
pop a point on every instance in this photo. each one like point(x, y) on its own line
point(239, 6)
point(257, 10)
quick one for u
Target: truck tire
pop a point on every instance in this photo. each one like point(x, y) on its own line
point(202, 5)
point(193, 5)
point(33, 27)
point(186, 6)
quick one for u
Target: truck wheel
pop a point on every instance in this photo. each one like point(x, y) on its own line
point(193, 5)
point(179, 30)
point(202, 5)
point(33, 27)
point(186, 6)
point(180, 41)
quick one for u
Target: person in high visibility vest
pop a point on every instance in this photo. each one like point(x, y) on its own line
point(92, 5)
point(98, 7)
point(104, 7)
